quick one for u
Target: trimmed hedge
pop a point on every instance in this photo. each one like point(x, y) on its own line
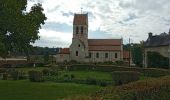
point(151, 89)
point(35, 76)
point(149, 72)
point(124, 77)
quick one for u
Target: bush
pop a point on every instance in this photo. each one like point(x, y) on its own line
point(91, 81)
point(152, 89)
point(4, 76)
point(35, 76)
point(17, 75)
point(124, 77)
point(72, 76)
point(119, 62)
point(46, 72)
point(2, 70)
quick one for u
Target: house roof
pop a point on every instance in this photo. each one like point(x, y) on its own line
point(158, 40)
point(104, 42)
point(125, 54)
point(80, 19)
point(64, 51)
point(104, 48)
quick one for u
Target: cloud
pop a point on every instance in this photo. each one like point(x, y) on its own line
point(107, 18)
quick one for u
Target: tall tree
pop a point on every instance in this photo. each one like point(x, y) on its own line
point(18, 28)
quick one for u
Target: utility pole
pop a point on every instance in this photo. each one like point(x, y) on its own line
point(129, 52)
point(169, 55)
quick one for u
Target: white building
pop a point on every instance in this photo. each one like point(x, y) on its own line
point(83, 49)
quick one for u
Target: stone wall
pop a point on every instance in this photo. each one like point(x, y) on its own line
point(102, 56)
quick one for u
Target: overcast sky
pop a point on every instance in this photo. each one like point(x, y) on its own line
point(107, 19)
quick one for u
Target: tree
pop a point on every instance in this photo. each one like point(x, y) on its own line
point(137, 54)
point(18, 28)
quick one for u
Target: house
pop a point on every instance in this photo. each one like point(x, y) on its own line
point(83, 49)
point(157, 43)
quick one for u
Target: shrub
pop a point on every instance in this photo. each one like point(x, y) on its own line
point(16, 75)
point(4, 76)
point(46, 71)
point(2, 70)
point(72, 76)
point(91, 81)
point(124, 77)
point(35, 76)
point(152, 89)
point(119, 62)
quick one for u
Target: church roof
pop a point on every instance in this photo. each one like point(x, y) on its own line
point(80, 19)
point(104, 48)
point(158, 40)
point(64, 51)
point(104, 44)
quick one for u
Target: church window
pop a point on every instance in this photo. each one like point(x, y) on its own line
point(77, 54)
point(81, 29)
point(115, 55)
point(97, 55)
point(106, 55)
point(77, 30)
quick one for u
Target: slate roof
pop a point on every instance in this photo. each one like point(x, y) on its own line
point(158, 40)
point(80, 19)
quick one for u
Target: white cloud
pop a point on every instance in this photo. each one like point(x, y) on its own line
point(119, 18)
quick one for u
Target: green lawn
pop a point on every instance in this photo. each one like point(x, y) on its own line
point(25, 90)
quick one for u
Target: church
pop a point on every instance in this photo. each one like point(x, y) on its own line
point(83, 49)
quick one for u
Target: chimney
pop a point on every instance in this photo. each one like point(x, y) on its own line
point(150, 35)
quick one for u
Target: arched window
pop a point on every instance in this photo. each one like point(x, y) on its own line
point(77, 53)
point(81, 29)
point(77, 30)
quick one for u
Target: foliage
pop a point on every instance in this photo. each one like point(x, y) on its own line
point(35, 76)
point(18, 28)
point(46, 72)
point(124, 77)
point(156, 60)
point(137, 54)
point(16, 75)
point(149, 72)
point(119, 62)
point(151, 89)
point(5, 76)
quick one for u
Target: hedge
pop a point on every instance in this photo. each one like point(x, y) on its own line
point(149, 72)
point(35, 76)
point(124, 77)
point(151, 89)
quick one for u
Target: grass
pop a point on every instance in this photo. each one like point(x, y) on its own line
point(25, 90)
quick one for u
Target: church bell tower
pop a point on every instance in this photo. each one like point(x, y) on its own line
point(79, 46)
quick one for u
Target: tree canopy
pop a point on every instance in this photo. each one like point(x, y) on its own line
point(19, 28)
